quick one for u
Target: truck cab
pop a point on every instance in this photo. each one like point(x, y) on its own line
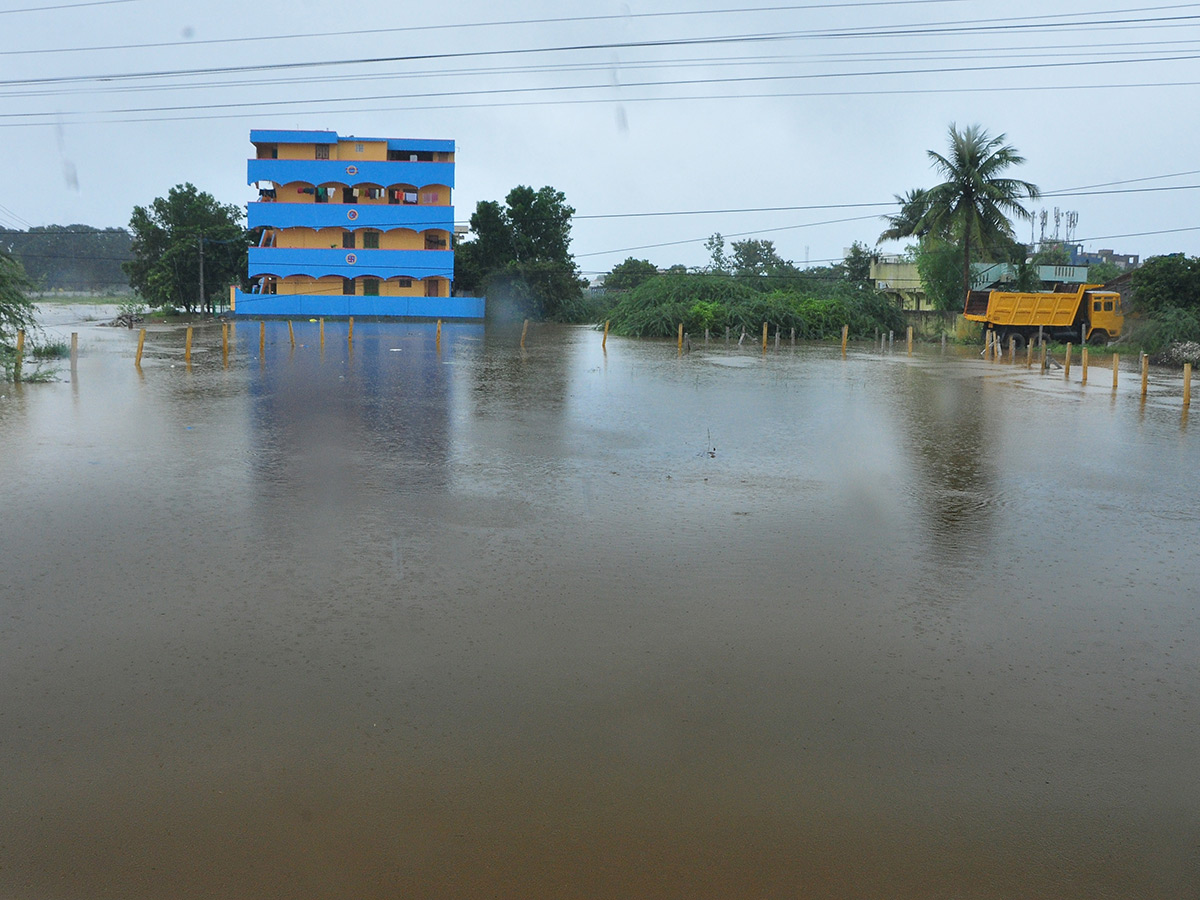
point(1104, 314)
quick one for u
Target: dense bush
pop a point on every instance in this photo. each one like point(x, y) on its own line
point(658, 306)
point(1167, 282)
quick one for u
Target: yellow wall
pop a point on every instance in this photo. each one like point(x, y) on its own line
point(325, 238)
point(371, 150)
point(297, 151)
point(443, 195)
point(290, 193)
point(300, 284)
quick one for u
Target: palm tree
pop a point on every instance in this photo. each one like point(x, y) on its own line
point(909, 221)
point(973, 203)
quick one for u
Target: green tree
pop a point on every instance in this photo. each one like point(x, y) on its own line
point(910, 221)
point(938, 264)
point(1052, 255)
point(16, 309)
point(167, 240)
point(856, 267)
point(717, 260)
point(1103, 272)
point(1167, 282)
point(629, 274)
point(760, 265)
point(519, 255)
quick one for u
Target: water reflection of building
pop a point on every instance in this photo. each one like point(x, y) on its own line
point(352, 226)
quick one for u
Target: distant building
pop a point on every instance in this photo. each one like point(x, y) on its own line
point(1123, 261)
point(899, 279)
point(352, 226)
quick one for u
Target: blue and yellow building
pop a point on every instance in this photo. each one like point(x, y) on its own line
point(351, 226)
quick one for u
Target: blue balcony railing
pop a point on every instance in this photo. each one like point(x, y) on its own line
point(338, 171)
point(350, 216)
point(285, 261)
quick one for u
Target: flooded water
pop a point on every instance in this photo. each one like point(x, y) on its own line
point(467, 621)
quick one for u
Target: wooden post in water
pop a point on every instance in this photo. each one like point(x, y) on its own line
point(262, 339)
point(438, 336)
point(726, 335)
point(1028, 355)
point(225, 344)
point(776, 337)
point(1083, 362)
point(910, 340)
point(680, 339)
point(1187, 385)
point(1041, 337)
point(1116, 363)
point(74, 349)
point(350, 336)
point(764, 337)
point(321, 323)
point(1067, 362)
point(793, 337)
point(141, 343)
point(525, 330)
point(1145, 374)
point(604, 341)
point(1012, 349)
point(1043, 356)
point(187, 346)
point(291, 334)
point(20, 353)
point(845, 338)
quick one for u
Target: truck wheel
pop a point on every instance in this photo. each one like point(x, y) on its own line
point(1018, 340)
point(1098, 338)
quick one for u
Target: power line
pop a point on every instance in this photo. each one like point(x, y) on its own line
point(737, 234)
point(31, 9)
point(1009, 24)
point(748, 79)
point(465, 25)
point(581, 101)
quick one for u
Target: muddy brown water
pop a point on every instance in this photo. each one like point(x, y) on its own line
point(471, 622)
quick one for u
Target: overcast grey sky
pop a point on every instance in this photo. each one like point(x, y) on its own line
point(675, 105)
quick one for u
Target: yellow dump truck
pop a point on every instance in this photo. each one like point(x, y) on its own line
point(1069, 312)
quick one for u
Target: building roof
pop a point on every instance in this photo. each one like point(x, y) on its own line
point(272, 136)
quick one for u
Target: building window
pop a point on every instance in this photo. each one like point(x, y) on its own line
point(370, 240)
point(404, 282)
point(348, 286)
point(370, 287)
point(358, 148)
point(434, 242)
point(322, 151)
point(347, 240)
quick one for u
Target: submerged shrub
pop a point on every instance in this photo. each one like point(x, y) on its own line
point(657, 307)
